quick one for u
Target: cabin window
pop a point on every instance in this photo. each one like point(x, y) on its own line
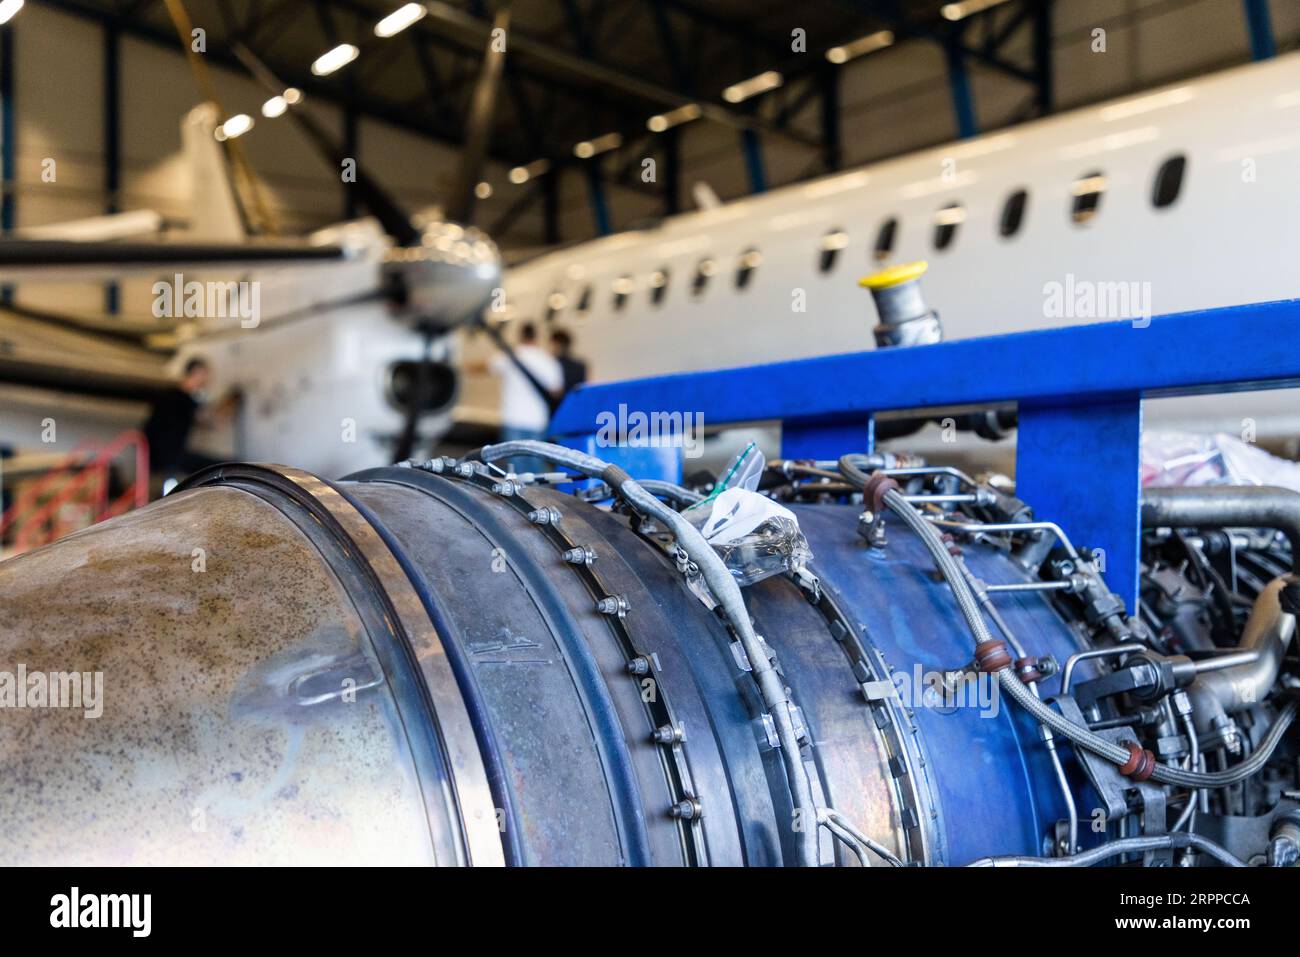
point(946, 221)
point(703, 270)
point(832, 243)
point(658, 285)
point(555, 304)
point(623, 287)
point(749, 261)
point(885, 239)
point(1087, 192)
point(1169, 181)
point(1013, 213)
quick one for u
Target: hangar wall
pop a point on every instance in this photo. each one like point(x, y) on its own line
point(893, 102)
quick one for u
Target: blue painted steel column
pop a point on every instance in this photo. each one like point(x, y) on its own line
point(753, 148)
point(7, 146)
point(821, 439)
point(1078, 465)
point(1260, 28)
point(963, 103)
point(596, 194)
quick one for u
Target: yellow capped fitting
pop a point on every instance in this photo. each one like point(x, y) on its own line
point(895, 275)
point(905, 319)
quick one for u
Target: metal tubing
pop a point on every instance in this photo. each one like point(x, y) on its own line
point(1226, 506)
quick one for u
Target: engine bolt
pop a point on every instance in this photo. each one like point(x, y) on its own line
point(668, 734)
point(639, 665)
point(506, 488)
point(687, 810)
point(545, 516)
point(580, 555)
point(612, 605)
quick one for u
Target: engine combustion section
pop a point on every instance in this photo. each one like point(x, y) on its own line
point(449, 663)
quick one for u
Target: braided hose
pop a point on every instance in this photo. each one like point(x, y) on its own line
point(1126, 845)
point(1012, 685)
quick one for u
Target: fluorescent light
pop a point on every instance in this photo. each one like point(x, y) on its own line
point(293, 95)
point(861, 46)
point(522, 174)
point(739, 92)
point(274, 107)
point(237, 125)
point(966, 8)
point(335, 59)
point(483, 190)
point(601, 144)
point(9, 9)
point(399, 19)
point(683, 114)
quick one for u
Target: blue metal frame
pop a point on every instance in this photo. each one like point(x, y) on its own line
point(1259, 25)
point(963, 101)
point(754, 167)
point(1079, 389)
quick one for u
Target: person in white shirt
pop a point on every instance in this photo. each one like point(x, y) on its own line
point(525, 413)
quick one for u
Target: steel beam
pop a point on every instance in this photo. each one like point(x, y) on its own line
point(1259, 26)
point(832, 145)
point(1079, 390)
point(963, 102)
point(596, 196)
point(753, 150)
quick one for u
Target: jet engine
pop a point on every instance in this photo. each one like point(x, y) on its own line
point(450, 662)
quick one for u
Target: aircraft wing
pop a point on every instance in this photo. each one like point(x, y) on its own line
point(38, 354)
point(74, 260)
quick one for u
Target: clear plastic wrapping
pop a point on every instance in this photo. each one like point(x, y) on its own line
point(755, 536)
point(1184, 458)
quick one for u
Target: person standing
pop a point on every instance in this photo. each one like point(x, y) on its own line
point(575, 370)
point(172, 418)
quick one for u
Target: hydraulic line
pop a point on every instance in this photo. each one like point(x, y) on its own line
point(1012, 685)
point(1193, 762)
point(671, 490)
point(1071, 809)
point(1124, 845)
point(724, 589)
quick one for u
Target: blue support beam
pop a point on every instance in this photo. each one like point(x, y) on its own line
point(596, 196)
point(963, 101)
point(1079, 389)
point(1081, 461)
point(1259, 26)
point(753, 149)
point(1043, 72)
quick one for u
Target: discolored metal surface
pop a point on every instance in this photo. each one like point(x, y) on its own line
point(403, 668)
point(227, 648)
